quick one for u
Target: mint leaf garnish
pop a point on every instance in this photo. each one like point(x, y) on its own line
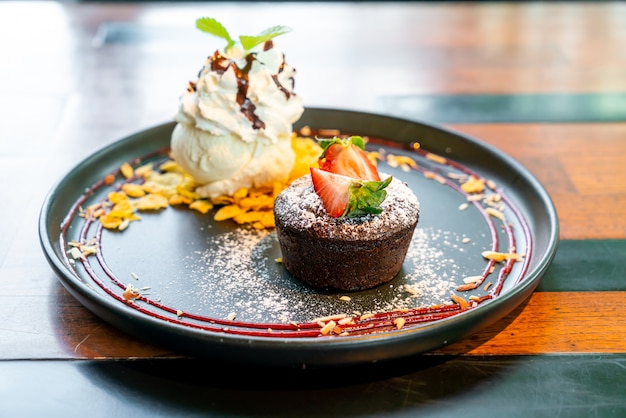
point(249, 42)
point(365, 197)
point(212, 26)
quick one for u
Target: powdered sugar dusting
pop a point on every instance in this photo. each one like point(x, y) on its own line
point(301, 208)
point(238, 274)
point(229, 281)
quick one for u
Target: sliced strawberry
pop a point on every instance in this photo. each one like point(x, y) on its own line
point(345, 196)
point(348, 158)
point(333, 190)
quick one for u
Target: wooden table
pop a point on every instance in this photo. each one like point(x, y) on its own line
point(75, 77)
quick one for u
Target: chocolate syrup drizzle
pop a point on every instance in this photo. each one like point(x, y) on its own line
point(376, 323)
point(220, 64)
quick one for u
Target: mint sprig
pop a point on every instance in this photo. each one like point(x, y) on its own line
point(213, 27)
point(249, 42)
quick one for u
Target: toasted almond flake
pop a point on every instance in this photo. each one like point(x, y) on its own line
point(133, 190)
point(92, 208)
point(376, 156)
point(328, 327)
point(440, 179)
point(179, 313)
point(294, 323)
point(74, 244)
point(151, 201)
point(346, 321)
point(202, 206)
point(457, 176)
point(463, 206)
point(466, 287)
point(231, 316)
point(475, 197)
point(466, 240)
point(329, 132)
point(497, 256)
point(436, 158)
point(240, 194)
point(97, 213)
point(145, 170)
point(337, 330)
point(472, 279)
point(170, 165)
point(75, 253)
point(330, 318)
point(345, 298)
point(404, 160)
point(124, 224)
point(459, 300)
point(127, 170)
point(366, 316)
point(487, 286)
point(496, 197)
point(412, 289)
point(399, 322)
point(494, 255)
point(401, 310)
point(130, 293)
point(87, 250)
point(495, 213)
point(491, 184)
point(227, 212)
point(474, 298)
point(473, 185)
point(179, 200)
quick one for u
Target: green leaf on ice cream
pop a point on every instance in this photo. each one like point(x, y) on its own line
point(249, 42)
point(213, 27)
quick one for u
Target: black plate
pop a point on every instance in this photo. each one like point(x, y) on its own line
point(215, 290)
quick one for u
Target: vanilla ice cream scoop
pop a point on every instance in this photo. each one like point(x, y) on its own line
point(235, 121)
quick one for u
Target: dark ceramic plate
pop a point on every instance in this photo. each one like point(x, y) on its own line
point(214, 289)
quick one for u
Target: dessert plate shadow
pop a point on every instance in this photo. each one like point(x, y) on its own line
point(217, 290)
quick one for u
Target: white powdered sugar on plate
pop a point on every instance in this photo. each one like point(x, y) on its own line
point(238, 275)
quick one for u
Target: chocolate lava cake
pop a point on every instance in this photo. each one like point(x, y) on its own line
point(345, 253)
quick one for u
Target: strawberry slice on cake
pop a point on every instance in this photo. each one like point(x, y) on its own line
point(347, 181)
